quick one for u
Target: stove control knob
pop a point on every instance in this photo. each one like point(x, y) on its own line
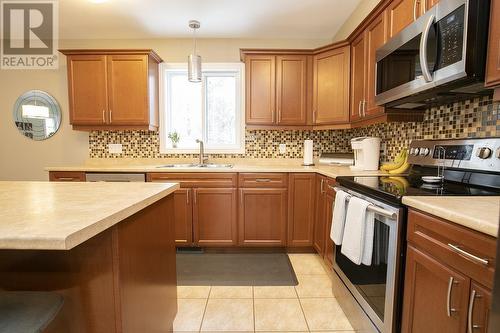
point(424, 151)
point(483, 153)
point(498, 153)
point(415, 151)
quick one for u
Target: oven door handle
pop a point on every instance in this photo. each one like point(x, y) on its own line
point(423, 49)
point(372, 207)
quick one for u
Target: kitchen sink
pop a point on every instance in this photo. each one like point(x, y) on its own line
point(195, 165)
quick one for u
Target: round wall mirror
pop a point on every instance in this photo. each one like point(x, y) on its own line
point(37, 115)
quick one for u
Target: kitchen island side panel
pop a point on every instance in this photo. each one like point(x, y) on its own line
point(121, 280)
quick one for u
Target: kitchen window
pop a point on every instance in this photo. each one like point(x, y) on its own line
point(211, 110)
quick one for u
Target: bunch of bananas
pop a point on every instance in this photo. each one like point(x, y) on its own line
point(399, 165)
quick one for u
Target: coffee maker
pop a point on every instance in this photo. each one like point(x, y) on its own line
point(366, 153)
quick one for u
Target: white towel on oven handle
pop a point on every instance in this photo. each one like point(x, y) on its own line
point(369, 234)
point(353, 240)
point(338, 219)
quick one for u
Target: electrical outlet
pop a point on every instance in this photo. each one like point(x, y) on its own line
point(115, 148)
point(282, 148)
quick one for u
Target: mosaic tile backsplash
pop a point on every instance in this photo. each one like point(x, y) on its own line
point(467, 119)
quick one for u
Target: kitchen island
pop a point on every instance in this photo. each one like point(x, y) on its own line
point(108, 248)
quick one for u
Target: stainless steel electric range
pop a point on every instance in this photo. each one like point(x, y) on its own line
point(459, 168)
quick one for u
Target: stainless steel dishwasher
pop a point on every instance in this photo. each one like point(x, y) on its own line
point(116, 177)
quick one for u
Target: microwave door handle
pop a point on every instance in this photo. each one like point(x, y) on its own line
point(423, 49)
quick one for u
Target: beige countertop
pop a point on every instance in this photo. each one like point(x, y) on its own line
point(60, 216)
point(239, 165)
point(478, 213)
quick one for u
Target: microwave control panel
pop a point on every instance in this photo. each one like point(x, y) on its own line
point(451, 35)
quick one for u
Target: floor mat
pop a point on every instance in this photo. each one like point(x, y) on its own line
point(241, 269)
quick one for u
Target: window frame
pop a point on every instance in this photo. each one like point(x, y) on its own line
point(237, 67)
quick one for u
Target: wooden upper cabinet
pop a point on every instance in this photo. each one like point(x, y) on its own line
point(260, 89)
point(430, 3)
point(87, 80)
point(375, 38)
point(128, 89)
point(400, 13)
point(358, 76)
point(493, 62)
point(291, 89)
point(113, 89)
point(331, 86)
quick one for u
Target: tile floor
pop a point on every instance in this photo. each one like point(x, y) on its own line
point(308, 307)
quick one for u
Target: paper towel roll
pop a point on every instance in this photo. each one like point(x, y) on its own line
point(308, 152)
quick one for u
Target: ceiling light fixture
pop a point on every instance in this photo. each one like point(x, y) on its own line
point(194, 60)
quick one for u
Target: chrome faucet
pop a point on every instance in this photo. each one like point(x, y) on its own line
point(202, 158)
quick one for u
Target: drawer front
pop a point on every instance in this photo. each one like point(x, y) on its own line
point(263, 180)
point(66, 176)
point(457, 246)
point(215, 179)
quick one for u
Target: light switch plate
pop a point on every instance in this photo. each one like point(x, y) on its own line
point(115, 148)
point(282, 148)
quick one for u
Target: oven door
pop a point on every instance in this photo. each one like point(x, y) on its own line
point(377, 287)
point(428, 53)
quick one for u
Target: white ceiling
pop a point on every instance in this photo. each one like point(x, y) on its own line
point(130, 19)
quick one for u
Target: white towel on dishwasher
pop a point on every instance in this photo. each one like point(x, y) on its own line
point(353, 241)
point(338, 219)
point(369, 233)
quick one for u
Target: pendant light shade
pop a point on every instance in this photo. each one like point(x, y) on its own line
point(194, 60)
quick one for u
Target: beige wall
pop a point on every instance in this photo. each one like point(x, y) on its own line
point(23, 159)
point(359, 14)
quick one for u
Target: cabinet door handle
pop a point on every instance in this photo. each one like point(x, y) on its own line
point(103, 116)
point(364, 108)
point(470, 319)
point(449, 309)
point(415, 2)
point(66, 178)
point(359, 108)
point(321, 188)
point(195, 196)
point(263, 180)
point(110, 116)
point(187, 197)
point(468, 255)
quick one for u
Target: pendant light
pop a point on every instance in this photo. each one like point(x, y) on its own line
point(194, 60)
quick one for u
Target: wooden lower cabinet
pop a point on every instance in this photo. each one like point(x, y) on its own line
point(262, 217)
point(319, 221)
point(325, 198)
point(479, 307)
point(445, 290)
point(426, 295)
point(214, 216)
point(67, 176)
point(329, 246)
point(183, 217)
point(301, 195)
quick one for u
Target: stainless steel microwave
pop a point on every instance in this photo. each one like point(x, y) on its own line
point(439, 58)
